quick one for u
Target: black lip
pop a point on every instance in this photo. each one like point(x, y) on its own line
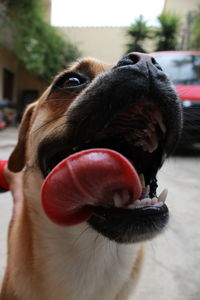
point(128, 226)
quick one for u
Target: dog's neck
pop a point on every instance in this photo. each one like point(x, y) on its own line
point(75, 262)
point(83, 264)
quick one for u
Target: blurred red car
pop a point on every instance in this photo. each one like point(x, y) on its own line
point(183, 68)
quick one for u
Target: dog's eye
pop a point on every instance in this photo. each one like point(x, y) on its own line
point(70, 81)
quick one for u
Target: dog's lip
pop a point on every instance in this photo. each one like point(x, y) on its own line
point(126, 226)
point(102, 212)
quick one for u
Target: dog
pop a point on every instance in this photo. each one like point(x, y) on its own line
point(131, 108)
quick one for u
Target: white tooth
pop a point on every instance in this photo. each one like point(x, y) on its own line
point(145, 201)
point(163, 195)
point(125, 197)
point(159, 119)
point(142, 180)
point(147, 190)
point(158, 204)
point(118, 200)
point(134, 205)
point(154, 200)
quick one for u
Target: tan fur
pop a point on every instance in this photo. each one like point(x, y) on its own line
point(46, 261)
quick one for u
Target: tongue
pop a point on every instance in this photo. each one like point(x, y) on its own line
point(84, 180)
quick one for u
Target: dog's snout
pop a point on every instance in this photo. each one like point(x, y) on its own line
point(139, 60)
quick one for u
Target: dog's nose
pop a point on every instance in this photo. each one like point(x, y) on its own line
point(140, 61)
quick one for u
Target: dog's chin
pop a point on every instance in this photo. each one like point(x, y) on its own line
point(129, 226)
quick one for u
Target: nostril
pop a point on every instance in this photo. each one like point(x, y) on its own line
point(130, 59)
point(134, 58)
point(154, 62)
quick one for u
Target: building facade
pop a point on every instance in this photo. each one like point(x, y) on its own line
point(15, 81)
point(181, 7)
point(105, 43)
point(18, 87)
point(109, 43)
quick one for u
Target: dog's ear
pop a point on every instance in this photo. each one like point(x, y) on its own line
point(16, 161)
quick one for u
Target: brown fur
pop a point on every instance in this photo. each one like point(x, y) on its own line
point(33, 267)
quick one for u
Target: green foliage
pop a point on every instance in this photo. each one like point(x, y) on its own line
point(138, 32)
point(167, 33)
point(37, 44)
point(194, 30)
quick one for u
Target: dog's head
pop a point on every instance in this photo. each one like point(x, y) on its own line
point(131, 108)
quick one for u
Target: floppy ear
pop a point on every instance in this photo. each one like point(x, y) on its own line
point(16, 161)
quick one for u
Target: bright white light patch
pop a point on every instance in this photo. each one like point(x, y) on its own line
point(104, 12)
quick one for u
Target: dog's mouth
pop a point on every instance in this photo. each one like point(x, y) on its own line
point(138, 133)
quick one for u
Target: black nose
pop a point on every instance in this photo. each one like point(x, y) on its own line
point(140, 61)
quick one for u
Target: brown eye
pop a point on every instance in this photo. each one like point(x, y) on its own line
point(71, 81)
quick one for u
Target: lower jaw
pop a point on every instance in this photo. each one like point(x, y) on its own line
point(129, 226)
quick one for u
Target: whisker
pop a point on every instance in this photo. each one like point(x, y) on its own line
point(81, 234)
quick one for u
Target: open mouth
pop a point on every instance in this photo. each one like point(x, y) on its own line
point(138, 133)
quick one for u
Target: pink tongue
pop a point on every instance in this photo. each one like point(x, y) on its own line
point(84, 180)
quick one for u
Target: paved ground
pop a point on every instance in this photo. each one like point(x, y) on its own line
point(7, 142)
point(172, 265)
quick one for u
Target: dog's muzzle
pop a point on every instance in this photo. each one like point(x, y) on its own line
point(132, 109)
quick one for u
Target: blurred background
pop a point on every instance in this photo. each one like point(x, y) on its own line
point(38, 38)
